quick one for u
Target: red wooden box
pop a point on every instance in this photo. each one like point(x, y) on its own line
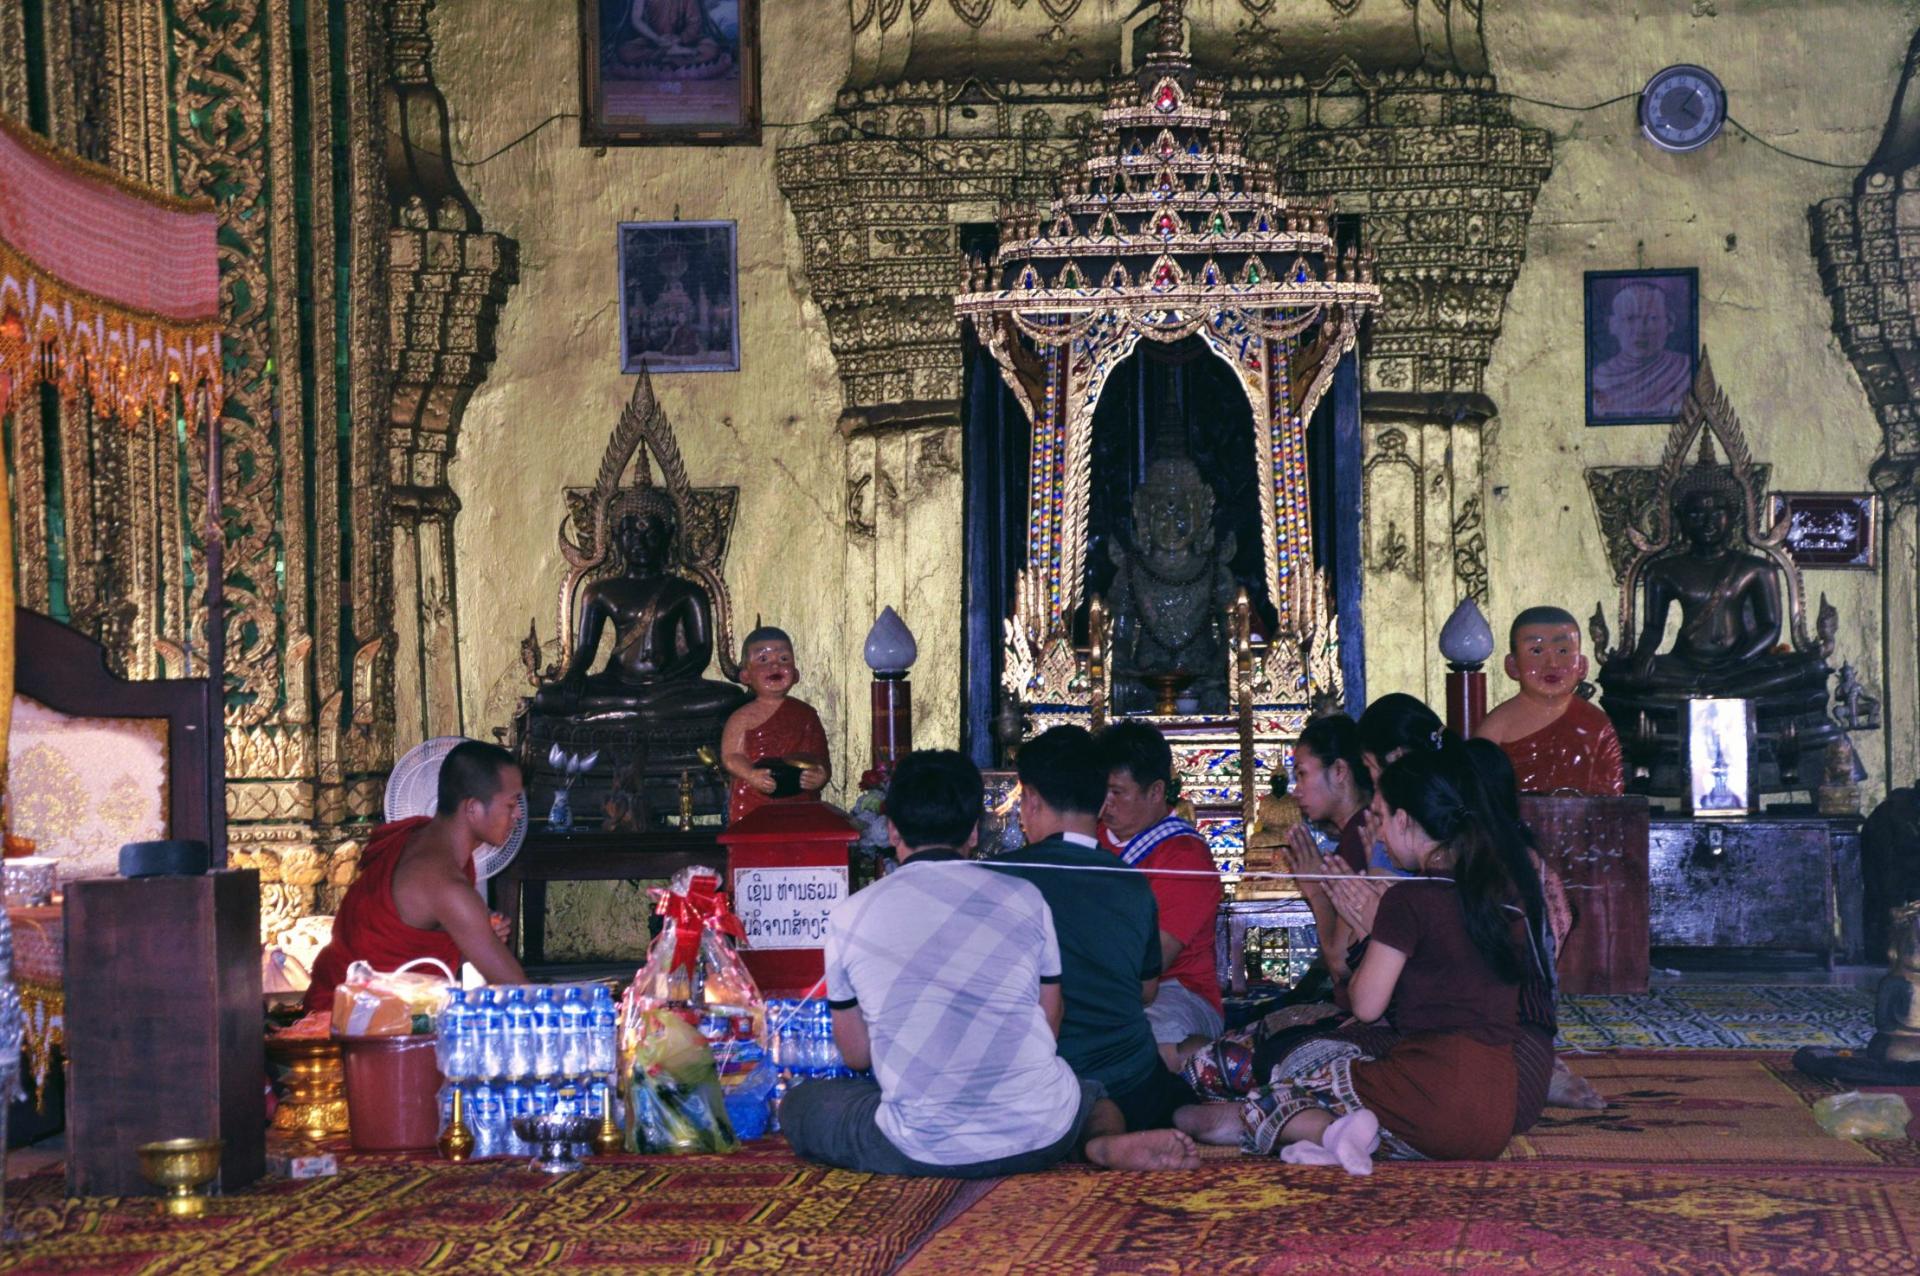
point(789, 864)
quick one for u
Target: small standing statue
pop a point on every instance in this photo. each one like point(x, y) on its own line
point(773, 746)
point(1556, 740)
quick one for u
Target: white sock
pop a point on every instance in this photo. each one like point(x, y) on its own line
point(1353, 1140)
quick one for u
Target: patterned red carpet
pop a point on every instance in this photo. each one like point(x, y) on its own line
point(1703, 1163)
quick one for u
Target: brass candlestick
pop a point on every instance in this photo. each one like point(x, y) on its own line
point(686, 801)
point(456, 1141)
point(607, 1138)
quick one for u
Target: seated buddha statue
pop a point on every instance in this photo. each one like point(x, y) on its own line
point(1730, 642)
point(662, 627)
point(1729, 600)
point(1171, 591)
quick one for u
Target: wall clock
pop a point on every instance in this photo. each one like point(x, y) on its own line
point(1682, 108)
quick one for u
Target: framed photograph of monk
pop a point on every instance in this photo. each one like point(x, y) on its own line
point(1643, 343)
point(669, 72)
point(1829, 531)
point(679, 297)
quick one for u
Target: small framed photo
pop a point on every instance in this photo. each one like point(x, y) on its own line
point(1719, 757)
point(669, 72)
point(1830, 531)
point(679, 297)
point(1643, 344)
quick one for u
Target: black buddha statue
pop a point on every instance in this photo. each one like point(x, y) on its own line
point(1729, 644)
point(662, 631)
point(649, 712)
point(1171, 593)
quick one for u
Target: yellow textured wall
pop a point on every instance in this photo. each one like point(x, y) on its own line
point(1813, 78)
point(542, 418)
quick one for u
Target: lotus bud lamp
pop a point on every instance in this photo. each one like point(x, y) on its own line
point(890, 652)
point(1466, 640)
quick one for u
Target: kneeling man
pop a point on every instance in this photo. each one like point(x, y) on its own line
point(944, 977)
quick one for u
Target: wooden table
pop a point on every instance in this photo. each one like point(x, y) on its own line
point(591, 856)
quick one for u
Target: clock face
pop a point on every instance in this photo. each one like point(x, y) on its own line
point(1682, 108)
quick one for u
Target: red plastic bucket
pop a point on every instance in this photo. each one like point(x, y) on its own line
point(393, 1092)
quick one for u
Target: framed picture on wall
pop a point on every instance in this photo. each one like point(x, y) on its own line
point(1830, 531)
point(679, 297)
point(669, 72)
point(1643, 344)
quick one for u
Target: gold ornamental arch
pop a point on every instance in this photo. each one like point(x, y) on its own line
point(1167, 231)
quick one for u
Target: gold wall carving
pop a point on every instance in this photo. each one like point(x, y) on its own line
point(894, 40)
point(448, 280)
point(1867, 247)
point(199, 97)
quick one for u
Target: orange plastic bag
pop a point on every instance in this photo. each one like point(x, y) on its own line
point(400, 1003)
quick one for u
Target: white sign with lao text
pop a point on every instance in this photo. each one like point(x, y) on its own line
point(787, 907)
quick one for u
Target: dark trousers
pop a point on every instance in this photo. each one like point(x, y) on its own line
point(833, 1122)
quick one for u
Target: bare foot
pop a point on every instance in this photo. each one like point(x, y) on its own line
point(1215, 1123)
point(1146, 1150)
point(1568, 1089)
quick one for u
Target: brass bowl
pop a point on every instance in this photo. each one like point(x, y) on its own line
point(180, 1167)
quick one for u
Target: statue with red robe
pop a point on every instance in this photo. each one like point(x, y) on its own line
point(1555, 739)
point(773, 746)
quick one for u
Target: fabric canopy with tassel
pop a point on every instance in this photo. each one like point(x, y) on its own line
point(111, 290)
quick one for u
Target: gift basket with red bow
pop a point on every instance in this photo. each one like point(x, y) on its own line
point(693, 1027)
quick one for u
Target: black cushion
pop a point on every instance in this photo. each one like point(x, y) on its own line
point(174, 857)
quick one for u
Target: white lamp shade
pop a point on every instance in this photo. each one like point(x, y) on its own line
point(890, 646)
point(1466, 638)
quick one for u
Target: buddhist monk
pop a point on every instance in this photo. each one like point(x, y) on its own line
point(1557, 741)
point(774, 734)
point(414, 896)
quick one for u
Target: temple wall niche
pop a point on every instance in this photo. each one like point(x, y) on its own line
point(1737, 212)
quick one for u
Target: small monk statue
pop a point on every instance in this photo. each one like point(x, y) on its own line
point(662, 631)
point(773, 746)
point(1555, 739)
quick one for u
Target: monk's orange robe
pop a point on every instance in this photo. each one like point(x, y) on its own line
point(793, 731)
point(1579, 751)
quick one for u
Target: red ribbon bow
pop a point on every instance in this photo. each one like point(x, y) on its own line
point(704, 905)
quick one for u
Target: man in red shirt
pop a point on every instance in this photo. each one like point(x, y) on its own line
point(1137, 824)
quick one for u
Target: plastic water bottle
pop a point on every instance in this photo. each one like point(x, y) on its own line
point(519, 1018)
point(516, 1100)
point(452, 1029)
point(490, 1053)
point(576, 1053)
point(603, 1052)
point(546, 1034)
point(484, 1103)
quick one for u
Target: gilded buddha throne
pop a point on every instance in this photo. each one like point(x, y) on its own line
point(1169, 238)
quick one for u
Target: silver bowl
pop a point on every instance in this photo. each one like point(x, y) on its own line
point(556, 1137)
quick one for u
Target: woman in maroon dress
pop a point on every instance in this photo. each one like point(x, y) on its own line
point(1451, 952)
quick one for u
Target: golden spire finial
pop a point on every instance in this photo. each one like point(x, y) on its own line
point(1169, 35)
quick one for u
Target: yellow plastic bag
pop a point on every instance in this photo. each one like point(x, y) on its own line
point(1854, 1115)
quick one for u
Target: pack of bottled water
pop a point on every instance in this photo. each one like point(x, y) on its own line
point(529, 1050)
point(800, 1041)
